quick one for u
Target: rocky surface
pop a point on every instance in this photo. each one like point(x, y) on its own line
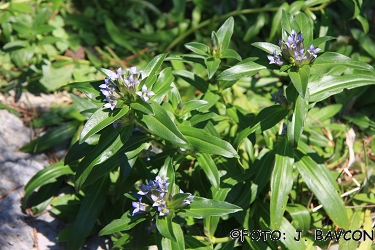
point(18, 229)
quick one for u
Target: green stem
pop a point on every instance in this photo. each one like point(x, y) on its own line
point(206, 22)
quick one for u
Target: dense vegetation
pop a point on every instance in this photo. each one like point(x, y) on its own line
point(200, 119)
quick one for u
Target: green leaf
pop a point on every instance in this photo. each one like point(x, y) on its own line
point(212, 64)
point(364, 40)
point(161, 125)
point(355, 223)
point(192, 105)
point(301, 217)
point(229, 53)
point(162, 85)
point(264, 165)
point(306, 27)
point(195, 80)
point(286, 20)
point(164, 225)
point(319, 180)
point(78, 151)
point(109, 144)
point(89, 88)
point(15, 45)
point(179, 244)
point(288, 236)
point(326, 86)
point(201, 118)
point(133, 146)
point(153, 65)
point(52, 138)
point(203, 142)
point(177, 199)
point(328, 60)
point(54, 78)
point(198, 48)
point(202, 207)
point(225, 33)
point(142, 106)
point(116, 35)
point(276, 21)
point(101, 119)
point(13, 111)
point(246, 68)
point(193, 243)
point(126, 222)
point(300, 79)
point(167, 170)
point(267, 47)
point(209, 167)
point(88, 213)
point(266, 119)
point(281, 182)
point(43, 177)
point(318, 41)
point(296, 121)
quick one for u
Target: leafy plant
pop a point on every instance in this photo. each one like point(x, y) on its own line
point(192, 124)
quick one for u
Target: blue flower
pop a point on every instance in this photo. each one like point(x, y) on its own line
point(312, 51)
point(279, 98)
point(275, 59)
point(144, 93)
point(140, 207)
point(293, 50)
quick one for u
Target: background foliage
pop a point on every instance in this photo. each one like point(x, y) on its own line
point(60, 45)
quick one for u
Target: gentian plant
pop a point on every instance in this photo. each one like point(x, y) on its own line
point(143, 143)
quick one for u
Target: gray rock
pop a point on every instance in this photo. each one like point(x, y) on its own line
point(17, 229)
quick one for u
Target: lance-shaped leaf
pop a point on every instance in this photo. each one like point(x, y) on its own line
point(195, 80)
point(51, 138)
point(281, 182)
point(267, 47)
point(202, 207)
point(212, 64)
point(246, 68)
point(328, 60)
point(126, 222)
point(326, 86)
point(101, 119)
point(153, 66)
point(161, 125)
point(297, 119)
point(178, 244)
point(116, 35)
point(290, 235)
point(142, 106)
point(306, 27)
point(209, 168)
point(45, 176)
point(109, 144)
point(225, 33)
point(164, 225)
point(266, 119)
point(320, 181)
point(300, 79)
point(203, 142)
point(89, 88)
point(88, 213)
point(198, 48)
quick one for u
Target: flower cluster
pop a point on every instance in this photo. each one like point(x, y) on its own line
point(293, 51)
point(157, 193)
point(123, 83)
